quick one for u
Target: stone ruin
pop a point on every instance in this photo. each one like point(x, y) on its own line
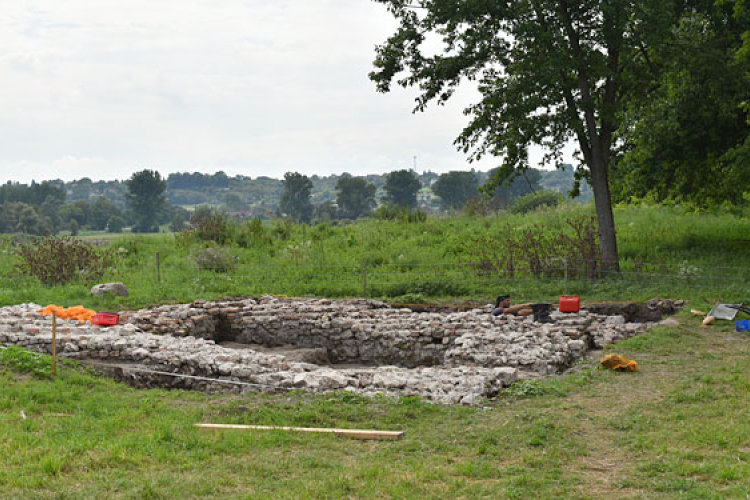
point(272, 344)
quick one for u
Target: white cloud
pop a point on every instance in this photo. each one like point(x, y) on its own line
point(258, 87)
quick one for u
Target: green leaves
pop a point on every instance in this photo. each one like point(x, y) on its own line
point(401, 188)
point(355, 196)
point(295, 200)
point(145, 198)
point(456, 188)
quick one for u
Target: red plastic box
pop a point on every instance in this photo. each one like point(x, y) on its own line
point(570, 304)
point(105, 319)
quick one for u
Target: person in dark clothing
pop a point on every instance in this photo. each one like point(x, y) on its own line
point(503, 306)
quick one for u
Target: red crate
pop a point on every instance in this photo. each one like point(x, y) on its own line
point(105, 319)
point(570, 304)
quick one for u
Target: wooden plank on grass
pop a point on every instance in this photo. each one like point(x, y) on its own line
point(352, 433)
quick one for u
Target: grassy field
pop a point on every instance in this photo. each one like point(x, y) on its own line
point(678, 428)
point(664, 252)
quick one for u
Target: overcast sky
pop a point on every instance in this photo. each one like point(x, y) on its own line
point(104, 88)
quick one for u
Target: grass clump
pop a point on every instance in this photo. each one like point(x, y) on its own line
point(22, 360)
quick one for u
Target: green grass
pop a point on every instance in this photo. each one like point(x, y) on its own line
point(676, 429)
point(664, 252)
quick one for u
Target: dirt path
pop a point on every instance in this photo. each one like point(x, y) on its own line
point(608, 410)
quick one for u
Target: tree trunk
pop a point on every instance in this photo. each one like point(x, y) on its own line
point(604, 216)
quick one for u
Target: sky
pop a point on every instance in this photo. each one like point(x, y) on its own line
point(104, 88)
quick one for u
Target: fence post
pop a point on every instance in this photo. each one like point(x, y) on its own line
point(158, 267)
point(364, 278)
point(565, 266)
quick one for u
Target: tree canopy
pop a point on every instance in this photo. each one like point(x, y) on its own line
point(546, 72)
point(401, 188)
point(456, 188)
point(355, 196)
point(295, 199)
point(145, 198)
point(690, 141)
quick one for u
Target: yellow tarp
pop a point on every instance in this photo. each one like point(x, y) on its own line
point(76, 312)
point(619, 363)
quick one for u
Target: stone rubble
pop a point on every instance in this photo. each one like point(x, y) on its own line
point(458, 357)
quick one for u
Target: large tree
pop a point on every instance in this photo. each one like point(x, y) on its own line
point(456, 188)
point(690, 140)
point(295, 199)
point(100, 213)
point(547, 72)
point(401, 188)
point(145, 199)
point(355, 196)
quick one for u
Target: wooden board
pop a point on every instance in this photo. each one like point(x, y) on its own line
point(352, 433)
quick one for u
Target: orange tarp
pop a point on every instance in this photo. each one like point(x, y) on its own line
point(619, 363)
point(76, 312)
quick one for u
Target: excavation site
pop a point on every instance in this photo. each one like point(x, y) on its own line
point(274, 344)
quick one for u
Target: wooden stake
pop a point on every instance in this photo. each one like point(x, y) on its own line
point(158, 267)
point(352, 433)
point(54, 344)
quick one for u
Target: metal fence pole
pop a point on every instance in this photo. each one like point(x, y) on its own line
point(565, 266)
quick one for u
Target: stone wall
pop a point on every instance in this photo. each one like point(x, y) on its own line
point(456, 357)
point(370, 332)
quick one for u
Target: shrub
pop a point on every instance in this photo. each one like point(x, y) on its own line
point(115, 224)
point(57, 261)
point(251, 233)
point(282, 228)
point(400, 213)
point(211, 225)
point(482, 206)
point(214, 259)
point(177, 224)
point(537, 249)
point(535, 201)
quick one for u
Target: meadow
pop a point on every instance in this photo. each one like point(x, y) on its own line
point(665, 251)
point(677, 428)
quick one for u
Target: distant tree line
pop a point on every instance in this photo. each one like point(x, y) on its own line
point(42, 209)
point(143, 202)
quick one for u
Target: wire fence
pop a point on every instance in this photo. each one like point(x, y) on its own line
point(410, 281)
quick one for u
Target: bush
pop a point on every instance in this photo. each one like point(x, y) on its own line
point(251, 233)
point(115, 224)
point(211, 225)
point(483, 206)
point(535, 201)
point(177, 225)
point(400, 213)
point(74, 227)
point(57, 261)
point(282, 228)
point(214, 259)
point(537, 249)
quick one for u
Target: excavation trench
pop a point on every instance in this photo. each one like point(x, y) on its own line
point(271, 344)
